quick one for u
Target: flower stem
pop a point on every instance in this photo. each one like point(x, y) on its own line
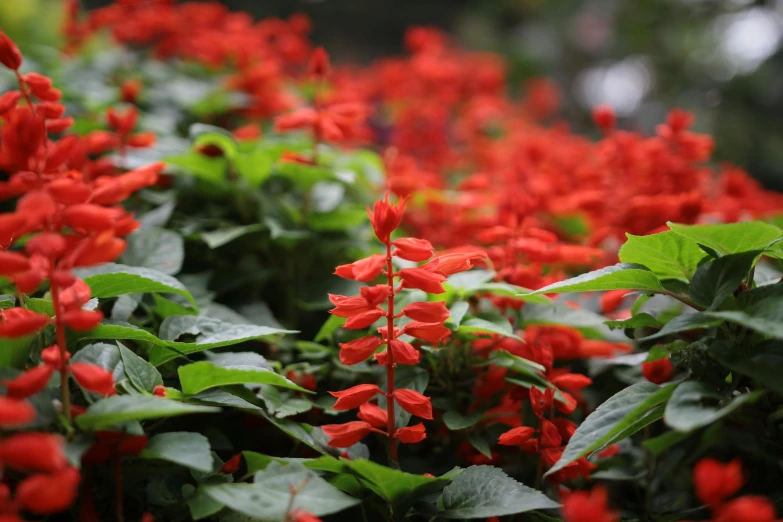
point(390, 356)
point(65, 391)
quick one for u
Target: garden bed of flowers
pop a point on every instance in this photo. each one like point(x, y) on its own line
point(241, 282)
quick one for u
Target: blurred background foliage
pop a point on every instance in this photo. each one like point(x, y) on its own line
point(721, 59)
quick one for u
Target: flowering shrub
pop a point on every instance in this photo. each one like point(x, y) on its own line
point(583, 330)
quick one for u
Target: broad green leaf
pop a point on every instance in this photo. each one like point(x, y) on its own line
point(7, 301)
point(763, 317)
point(392, 485)
point(532, 372)
point(685, 323)
point(642, 320)
point(476, 325)
point(186, 448)
point(112, 280)
point(455, 420)
point(661, 443)
point(338, 220)
point(668, 255)
point(219, 238)
point(469, 281)
point(730, 238)
point(756, 295)
point(198, 165)
point(155, 248)
point(517, 292)
point(282, 406)
point(610, 422)
point(621, 276)
point(14, 352)
point(304, 176)
point(142, 374)
point(270, 493)
point(163, 351)
point(457, 312)
point(716, 281)
point(203, 134)
point(254, 167)
point(204, 375)
point(761, 362)
point(693, 405)
point(485, 491)
point(125, 408)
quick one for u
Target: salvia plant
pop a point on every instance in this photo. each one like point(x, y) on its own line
point(239, 282)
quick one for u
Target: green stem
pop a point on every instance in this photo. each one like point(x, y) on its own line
point(683, 300)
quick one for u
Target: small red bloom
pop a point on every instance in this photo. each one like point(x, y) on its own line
point(747, 509)
point(48, 494)
point(354, 397)
point(411, 434)
point(612, 300)
point(9, 53)
point(516, 436)
point(298, 515)
point(404, 353)
point(572, 381)
point(386, 217)
point(449, 264)
point(715, 482)
point(363, 320)
point(82, 320)
point(422, 279)
point(359, 350)
point(363, 270)
point(431, 332)
point(583, 506)
point(15, 413)
point(18, 322)
point(604, 118)
point(159, 391)
point(319, 63)
point(30, 382)
point(12, 263)
point(373, 414)
point(414, 403)
point(232, 465)
point(658, 371)
point(93, 378)
point(346, 435)
point(412, 249)
point(33, 451)
point(427, 312)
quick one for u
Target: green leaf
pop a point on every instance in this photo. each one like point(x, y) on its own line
point(203, 167)
point(485, 491)
point(642, 320)
point(716, 281)
point(304, 176)
point(219, 238)
point(469, 281)
point(661, 443)
point(694, 405)
point(329, 327)
point(7, 301)
point(668, 255)
point(203, 134)
point(731, 238)
point(517, 292)
point(270, 494)
point(392, 485)
point(155, 248)
point(254, 167)
point(338, 220)
point(761, 362)
point(112, 280)
point(610, 422)
point(141, 374)
point(456, 312)
point(531, 371)
point(204, 375)
point(181, 447)
point(476, 325)
point(124, 408)
point(685, 323)
point(763, 317)
point(621, 276)
point(454, 420)
point(14, 352)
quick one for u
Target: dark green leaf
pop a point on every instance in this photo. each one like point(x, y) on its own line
point(685, 323)
point(203, 375)
point(455, 420)
point(155, 248)
point(181, 447)
point(125, 408)
point(716, 280)
point(761, 362)
point(695, 404)
point(112, 280)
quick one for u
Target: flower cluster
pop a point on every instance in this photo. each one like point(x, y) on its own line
point(425, 323)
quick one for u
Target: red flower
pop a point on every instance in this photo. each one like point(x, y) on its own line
point(9, 53)
point(571, 381)
point(449, 264)
point(747, 509)
point(30, 382)
point(411, 434)
point(363, 320)
point(18, 322)
point(423, 279)
point(298, 515)
point(349, 306)
point(15, 413)
point(346, 435)
point(604, 117)
point(412, 249)
point(358, 350)
point(427, 312)
point(353, 397)
point(48, 494)
point(319, 62)
point(232, 465)
point(12, 263)
point(93, 378)
point(82, 320)
point(386, 217)
point(374, 415)
point(516, 436)
point(364, 270)
point(33, 451)
point(658, 371)
point(404, 353)
point(583, 506)
point(414, 403)
point(159, 391)
point(431, 332)
point(715, 482)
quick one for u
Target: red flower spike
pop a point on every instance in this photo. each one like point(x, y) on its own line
point(9, 53)
point(363, 270)
point(18, 322)
point(48, 494)
point(359, 350)
point(33, 452)
point(231, 466)
point(346, 435)
point(363, 320)
point(9, 100)
point(354, 397)
point(374, 415)
point(591, 506)
point(82, 320)
point(658, 371)
point(30, 382)
point(412, 249)
point(93, 378)
point(427, 312)
point(404, 353)
point(411, 434)
point(15, 413)
point(414, 403)
point(516, 436)
point(715, 482)
point(430, 332)
point(385, 218)
point(422, 279)
point(12, 263)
